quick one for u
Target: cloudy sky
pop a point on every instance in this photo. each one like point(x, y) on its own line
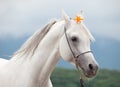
point(22, 17)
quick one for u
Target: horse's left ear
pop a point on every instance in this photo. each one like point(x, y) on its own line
point(81, 13)
point(65, 17)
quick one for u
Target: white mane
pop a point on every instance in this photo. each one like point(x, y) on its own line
point(32, 43)
point(90, 36)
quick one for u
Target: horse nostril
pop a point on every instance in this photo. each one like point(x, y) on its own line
point(90, 66)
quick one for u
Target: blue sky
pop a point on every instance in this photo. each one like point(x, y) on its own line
point(22, 17)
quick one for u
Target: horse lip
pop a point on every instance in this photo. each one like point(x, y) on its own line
point(90, 74)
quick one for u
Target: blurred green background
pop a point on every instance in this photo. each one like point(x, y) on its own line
point(70, 78)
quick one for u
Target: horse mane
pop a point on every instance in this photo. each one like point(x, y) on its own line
point(90, 36)
point(32, 43)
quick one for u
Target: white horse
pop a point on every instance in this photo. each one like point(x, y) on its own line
point(32, 65)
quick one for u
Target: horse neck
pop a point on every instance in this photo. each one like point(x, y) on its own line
point(48, 67)
point(47, 53)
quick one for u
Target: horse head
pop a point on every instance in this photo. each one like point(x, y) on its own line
point(75, 45)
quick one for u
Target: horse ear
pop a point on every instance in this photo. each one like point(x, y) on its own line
point(81, 13)
point(65, 17)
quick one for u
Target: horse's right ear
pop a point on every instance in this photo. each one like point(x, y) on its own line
point(65, 17)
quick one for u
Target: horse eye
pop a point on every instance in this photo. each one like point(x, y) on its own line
point(74, 39)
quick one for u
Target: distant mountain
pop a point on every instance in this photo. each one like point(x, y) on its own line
point(106, 51)
point(9, 45)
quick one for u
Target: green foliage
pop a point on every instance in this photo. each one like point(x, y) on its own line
point(70, 78)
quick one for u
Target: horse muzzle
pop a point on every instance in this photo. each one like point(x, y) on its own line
point(91, 71)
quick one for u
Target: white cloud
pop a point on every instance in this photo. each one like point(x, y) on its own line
point(21, 17)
